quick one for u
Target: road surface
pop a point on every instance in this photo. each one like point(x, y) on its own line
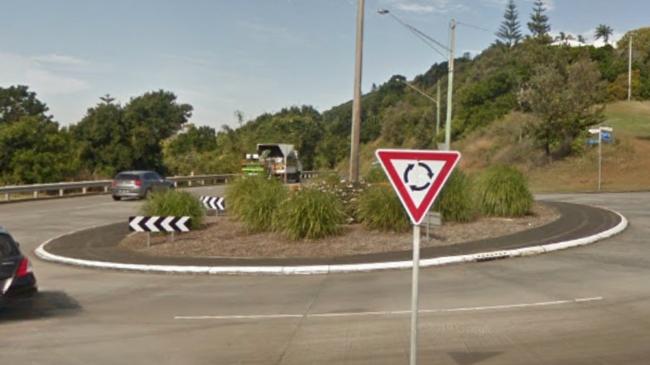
point(587, 305)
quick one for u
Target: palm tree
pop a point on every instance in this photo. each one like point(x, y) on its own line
point(564, 38)
point(603, 31)
point(581, 39)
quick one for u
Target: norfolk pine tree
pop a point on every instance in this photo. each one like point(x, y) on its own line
point(509, 33)
point(538, 25)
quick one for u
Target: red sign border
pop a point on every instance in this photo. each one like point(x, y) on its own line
point(416, 214)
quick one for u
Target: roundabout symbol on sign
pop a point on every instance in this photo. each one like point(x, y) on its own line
point(413, 186)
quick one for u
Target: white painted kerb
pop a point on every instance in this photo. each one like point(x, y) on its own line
point(326, 269)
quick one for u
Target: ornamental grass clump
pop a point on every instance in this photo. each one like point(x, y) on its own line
point(309, 213)
point(379, 208)
point(456, 201)
point(255, 201)
point(502, 191)
point(175, 203)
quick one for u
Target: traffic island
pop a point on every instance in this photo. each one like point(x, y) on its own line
point(99, 247)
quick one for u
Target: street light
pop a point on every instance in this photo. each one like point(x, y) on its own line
point(435, 100)
point(451, 50)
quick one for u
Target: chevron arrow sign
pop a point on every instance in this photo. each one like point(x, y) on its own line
point(159, 224)
point(213, 202)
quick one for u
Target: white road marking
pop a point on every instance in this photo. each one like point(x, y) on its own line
point(397, 312)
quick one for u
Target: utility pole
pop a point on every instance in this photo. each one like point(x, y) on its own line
point(450, 87)
point(356, 105)
point(437, 111)
point(629, 72)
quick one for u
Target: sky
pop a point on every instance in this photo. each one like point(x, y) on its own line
point(254, 56)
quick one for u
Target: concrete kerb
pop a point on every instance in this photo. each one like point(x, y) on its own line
point(327, 269)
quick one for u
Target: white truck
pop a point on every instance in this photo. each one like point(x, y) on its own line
point(280, 160)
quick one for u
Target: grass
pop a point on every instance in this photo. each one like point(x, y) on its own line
point(309, 213)
point(629, 118)
point(379, 209)
point(175, 203)
point(502, 191)
point(255, 200)
point(456, 201)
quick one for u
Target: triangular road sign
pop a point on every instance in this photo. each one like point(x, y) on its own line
point(417, 176)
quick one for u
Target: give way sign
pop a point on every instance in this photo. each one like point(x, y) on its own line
point(417, 176)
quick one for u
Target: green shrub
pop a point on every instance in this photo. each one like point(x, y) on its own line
point(456, 200)
point(255, 200)
point(309, 213)
point(379, 208)
point(375, 175)
point(175, 203)
point(503, 191)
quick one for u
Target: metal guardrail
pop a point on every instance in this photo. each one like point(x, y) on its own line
point(103, 186)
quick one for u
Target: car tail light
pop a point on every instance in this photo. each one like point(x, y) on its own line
point(137, 182)
point(24, 268)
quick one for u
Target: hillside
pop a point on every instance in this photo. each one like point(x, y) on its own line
point(626, 162)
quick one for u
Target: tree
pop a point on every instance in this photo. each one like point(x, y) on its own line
point(603, 31)
point(152, 118)
point(565, 99)
point(17, 102)
point(538, 25)
point(510, 31)
point(103, 134)
point(195, 151)
point(34, 150)
point(581, 39)
point(564, 38)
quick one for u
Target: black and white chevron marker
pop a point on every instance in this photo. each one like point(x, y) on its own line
point(213, 202)
point(159, 224)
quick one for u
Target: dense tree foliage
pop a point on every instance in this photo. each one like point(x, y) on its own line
point(559, 89)
point(34, 150)
point(115, 137)
point(17, 102)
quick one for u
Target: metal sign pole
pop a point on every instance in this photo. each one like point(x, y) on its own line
point(415, 295)
point(600, 156)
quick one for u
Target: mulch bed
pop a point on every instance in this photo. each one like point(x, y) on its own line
point(223, 237)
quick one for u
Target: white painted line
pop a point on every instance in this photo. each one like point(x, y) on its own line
point(262, 316)
point(392, 313)
point(42, 253)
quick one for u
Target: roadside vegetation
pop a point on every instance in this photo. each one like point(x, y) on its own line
point(526, 100)
point(379, 209)
point(175, 203)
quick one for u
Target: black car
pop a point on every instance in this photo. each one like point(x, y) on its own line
point(16, 274)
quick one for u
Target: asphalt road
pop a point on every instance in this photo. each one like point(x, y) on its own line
point(588, 305)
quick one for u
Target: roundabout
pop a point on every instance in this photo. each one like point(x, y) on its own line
point(98, 247)
point(578, 306)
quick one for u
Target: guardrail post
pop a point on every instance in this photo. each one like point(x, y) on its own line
point(106, 189)
point(84, 190)
point(60, 192)
point(7, 197)
point(35, 194)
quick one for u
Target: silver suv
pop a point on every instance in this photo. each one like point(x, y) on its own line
point(138, 184)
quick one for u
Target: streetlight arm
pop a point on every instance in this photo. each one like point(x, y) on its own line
point(423, 36)
point(422, 93)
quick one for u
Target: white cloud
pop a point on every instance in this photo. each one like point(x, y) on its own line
point(549, 4)
point(426, 6)
point(57, 59)
point(42, 73)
